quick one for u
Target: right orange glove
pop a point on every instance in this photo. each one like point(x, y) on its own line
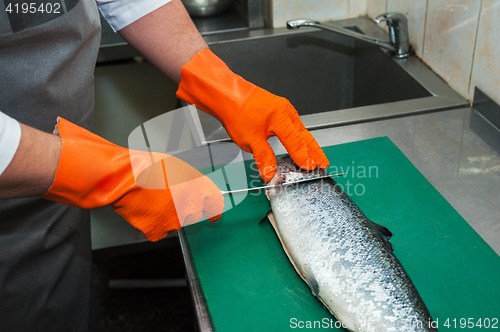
point(156, 193)
point(251, 115)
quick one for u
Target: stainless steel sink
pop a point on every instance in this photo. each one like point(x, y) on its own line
point(331, 79)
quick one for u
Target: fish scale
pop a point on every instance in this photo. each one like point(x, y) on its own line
point(342, 256)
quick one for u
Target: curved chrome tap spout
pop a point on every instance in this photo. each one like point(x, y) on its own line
point(399, 45)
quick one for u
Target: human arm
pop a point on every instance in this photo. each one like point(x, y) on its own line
point(167, 37)
point(32, 168)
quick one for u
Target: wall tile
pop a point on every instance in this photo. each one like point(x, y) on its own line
point(357, 8)
point(449, 40)
point(376, 7)
point(486, 66)
point(321, 10)
point(415, 11)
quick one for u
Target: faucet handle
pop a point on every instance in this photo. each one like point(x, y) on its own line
point(295, 24)
point(398, 32)
point(392, 19)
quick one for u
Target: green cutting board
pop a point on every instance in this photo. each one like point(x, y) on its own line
point(250, 285)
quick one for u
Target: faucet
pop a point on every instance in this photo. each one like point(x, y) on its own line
point(399, 45)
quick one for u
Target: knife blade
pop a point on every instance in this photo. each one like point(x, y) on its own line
point(282, 185)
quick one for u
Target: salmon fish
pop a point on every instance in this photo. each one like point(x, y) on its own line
point(346, 260)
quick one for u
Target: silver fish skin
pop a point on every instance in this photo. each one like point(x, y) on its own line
point(346, 262)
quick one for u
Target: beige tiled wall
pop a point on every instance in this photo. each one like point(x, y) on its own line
point(450, 35)
point(376, 7)
point(458, 39)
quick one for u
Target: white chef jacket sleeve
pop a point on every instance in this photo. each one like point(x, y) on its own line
point(10, 136)
point(120, 13)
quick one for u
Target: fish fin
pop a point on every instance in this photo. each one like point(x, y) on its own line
point(266, 217)
point(383, 231)
point(385, 234)
point(270, 216)
point(311, 281)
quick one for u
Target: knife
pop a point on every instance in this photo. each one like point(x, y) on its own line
point(282, 185)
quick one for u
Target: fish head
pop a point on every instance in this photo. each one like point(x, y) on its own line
point(288, 171)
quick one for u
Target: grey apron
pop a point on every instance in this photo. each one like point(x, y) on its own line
point(46, 70)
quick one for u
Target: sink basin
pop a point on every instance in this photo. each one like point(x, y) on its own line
point(331, 79)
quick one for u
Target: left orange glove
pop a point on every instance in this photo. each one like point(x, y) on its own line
point(251, 115)
point(156, 193)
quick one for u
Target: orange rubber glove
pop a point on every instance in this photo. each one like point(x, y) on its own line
point(251, 115)
point(93, 172)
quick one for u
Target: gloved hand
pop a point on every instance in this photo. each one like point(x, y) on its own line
point(251, 115)
point(156, 193)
